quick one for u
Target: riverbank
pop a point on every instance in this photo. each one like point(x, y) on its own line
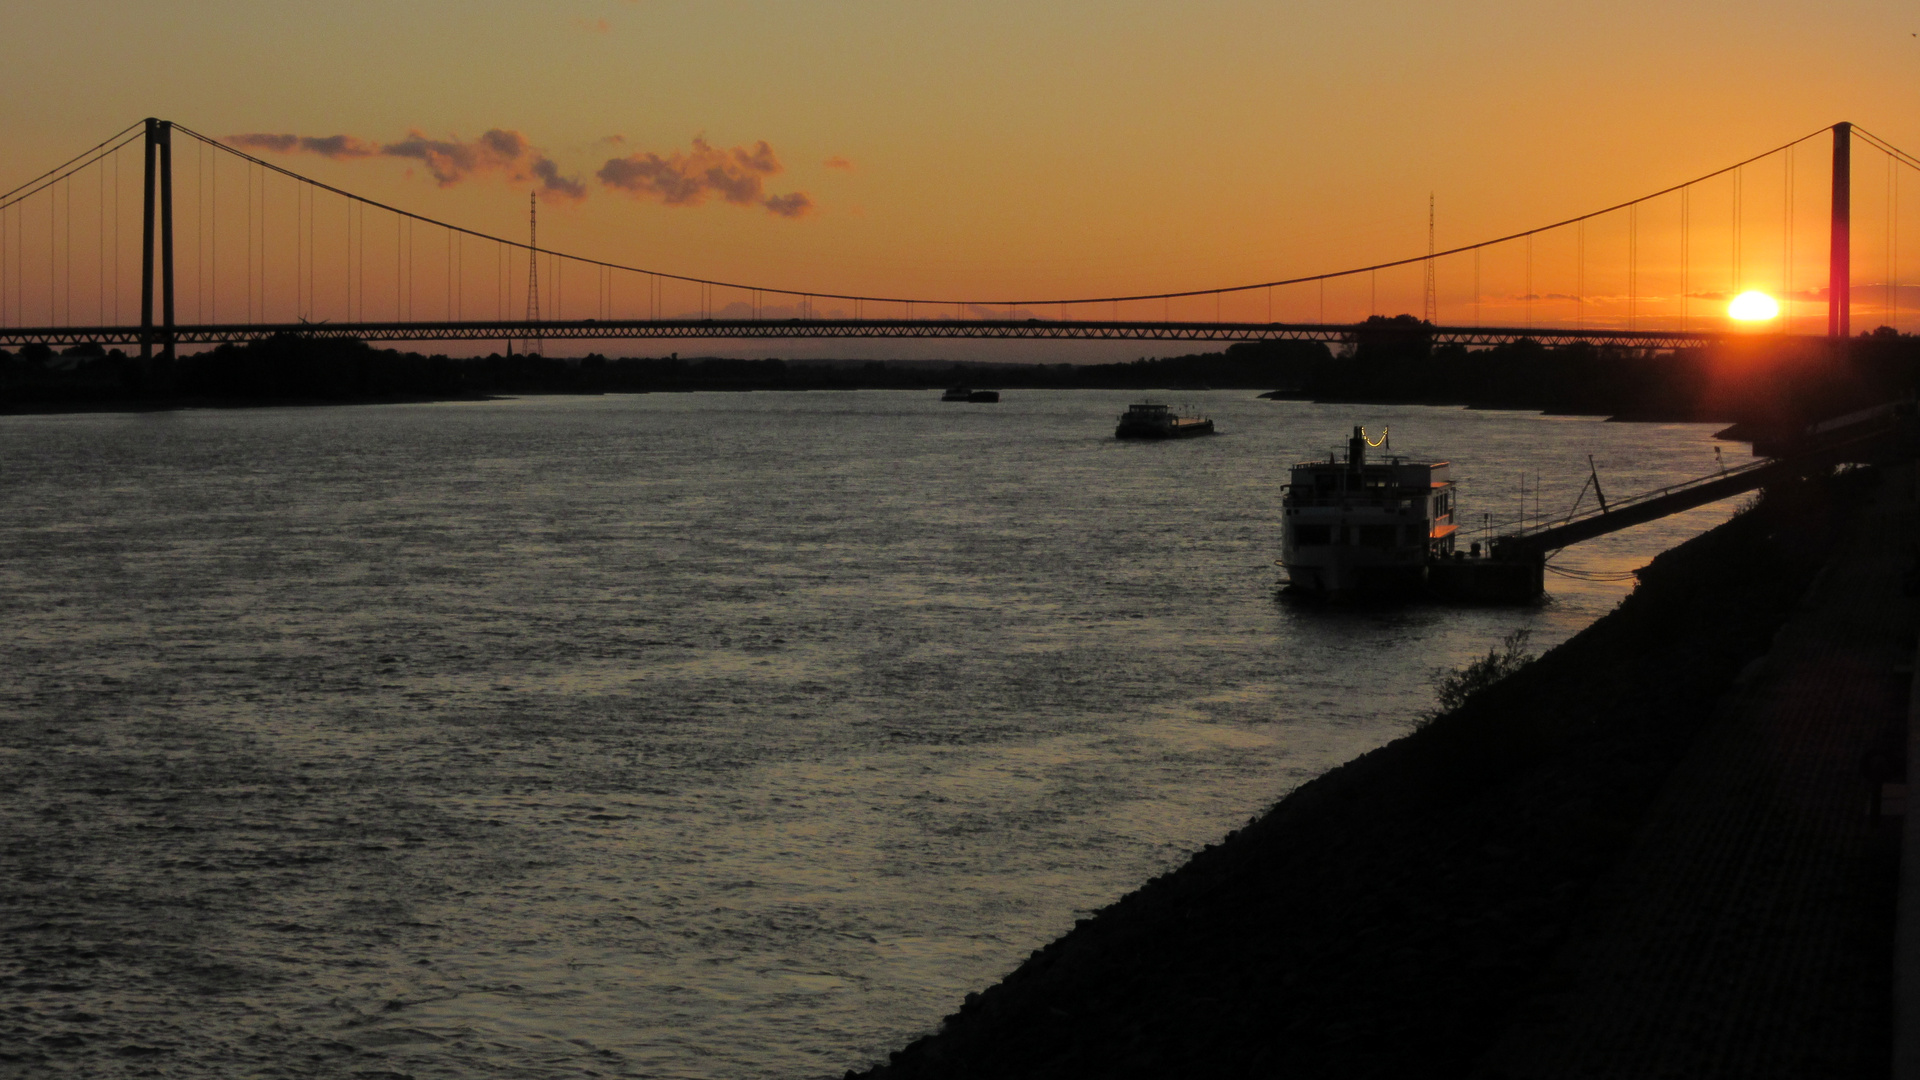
point(86, 378)
point(1428, 903)
point(176, 404)
point(1759, 381)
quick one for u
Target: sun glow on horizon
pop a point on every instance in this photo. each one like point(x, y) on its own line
point(1753, 306)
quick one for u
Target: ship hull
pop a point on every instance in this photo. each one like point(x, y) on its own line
point(1339, 577)
point(1177, 430)
point(1474, 581)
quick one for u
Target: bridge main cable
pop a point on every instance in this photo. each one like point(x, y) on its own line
point(73, 165)
point(986, 303)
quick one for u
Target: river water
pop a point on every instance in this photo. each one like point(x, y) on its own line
point(697, 735)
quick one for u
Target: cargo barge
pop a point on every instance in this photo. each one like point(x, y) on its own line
point(1151, 420)
point(961, 393)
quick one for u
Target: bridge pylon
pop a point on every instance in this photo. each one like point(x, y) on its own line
point(159, 188)
point(1839, 255)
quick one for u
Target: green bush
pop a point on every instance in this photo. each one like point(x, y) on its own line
point(1453, 687)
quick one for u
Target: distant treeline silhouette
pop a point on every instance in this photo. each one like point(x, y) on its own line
point(1759, 380)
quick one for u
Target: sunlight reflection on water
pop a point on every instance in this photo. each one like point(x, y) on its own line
point(679, 735)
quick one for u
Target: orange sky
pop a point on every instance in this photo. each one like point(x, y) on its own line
point(989, 148)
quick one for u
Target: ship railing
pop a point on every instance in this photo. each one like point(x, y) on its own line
point(1530, 524)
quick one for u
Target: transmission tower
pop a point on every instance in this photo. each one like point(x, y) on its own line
point(1433, 297)
point(533, 265)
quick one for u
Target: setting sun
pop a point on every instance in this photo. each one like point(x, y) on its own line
point(1752, 306)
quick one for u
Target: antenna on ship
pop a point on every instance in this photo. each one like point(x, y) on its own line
point(533, 265)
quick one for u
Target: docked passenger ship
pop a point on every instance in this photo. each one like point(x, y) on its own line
point(1354, 527)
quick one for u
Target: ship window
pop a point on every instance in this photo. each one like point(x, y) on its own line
point(1310, 535)
point(1378, 535)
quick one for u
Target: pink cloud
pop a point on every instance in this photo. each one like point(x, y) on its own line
point(337, 147)
point(792, 205)
point(688, 178)
point(680, 178)
point(449, 161)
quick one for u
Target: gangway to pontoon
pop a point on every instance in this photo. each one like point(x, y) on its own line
point(1864, 436)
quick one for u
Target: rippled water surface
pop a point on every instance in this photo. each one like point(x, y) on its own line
point(690, 735)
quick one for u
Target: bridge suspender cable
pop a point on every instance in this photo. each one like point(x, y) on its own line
point(74, 164)
point(58, 184)
point(1048, 301)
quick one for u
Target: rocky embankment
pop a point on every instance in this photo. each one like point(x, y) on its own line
point(1385, 919)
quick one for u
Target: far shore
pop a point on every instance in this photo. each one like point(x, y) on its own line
point(1766, 384)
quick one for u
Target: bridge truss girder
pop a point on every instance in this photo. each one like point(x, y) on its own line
point(786, 329)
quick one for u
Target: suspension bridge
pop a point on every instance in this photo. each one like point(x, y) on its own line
point(314, 259)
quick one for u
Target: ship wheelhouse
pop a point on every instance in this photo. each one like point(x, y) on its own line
point(1152, 420)
point(1357, 526)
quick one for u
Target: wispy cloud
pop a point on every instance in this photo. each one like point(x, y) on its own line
point(793, 204)
point(593, 26)
point(449, 161)
point(687, 178)
point(498, 151)
point(552, 182)
point(679, 178)
point(838, 162)
point(338, 147)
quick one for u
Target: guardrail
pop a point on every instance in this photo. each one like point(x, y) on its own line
point(1617, 505)
point(1674, 498)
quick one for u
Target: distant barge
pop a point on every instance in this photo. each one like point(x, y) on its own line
point(1149, 420)
point(961, 393)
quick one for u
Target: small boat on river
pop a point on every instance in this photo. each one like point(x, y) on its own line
point(961, 393)
point(1151, 420)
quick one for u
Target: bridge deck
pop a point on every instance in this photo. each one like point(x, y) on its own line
point(960, 328)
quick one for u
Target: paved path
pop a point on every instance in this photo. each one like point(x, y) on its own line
point(1748, 930)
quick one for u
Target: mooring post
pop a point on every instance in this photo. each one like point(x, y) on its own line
point(1839, 260)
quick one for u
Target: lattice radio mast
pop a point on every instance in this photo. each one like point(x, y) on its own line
point(533, 265)
point(1433, 297)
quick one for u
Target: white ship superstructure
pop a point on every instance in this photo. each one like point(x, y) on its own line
point(1352, 527)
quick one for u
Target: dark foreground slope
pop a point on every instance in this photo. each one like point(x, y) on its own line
point(1385, 919)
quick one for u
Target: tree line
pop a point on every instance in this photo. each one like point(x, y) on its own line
point(1759, 380)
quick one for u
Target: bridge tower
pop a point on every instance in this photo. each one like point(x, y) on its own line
point(159, 173)
point(1839, 256)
